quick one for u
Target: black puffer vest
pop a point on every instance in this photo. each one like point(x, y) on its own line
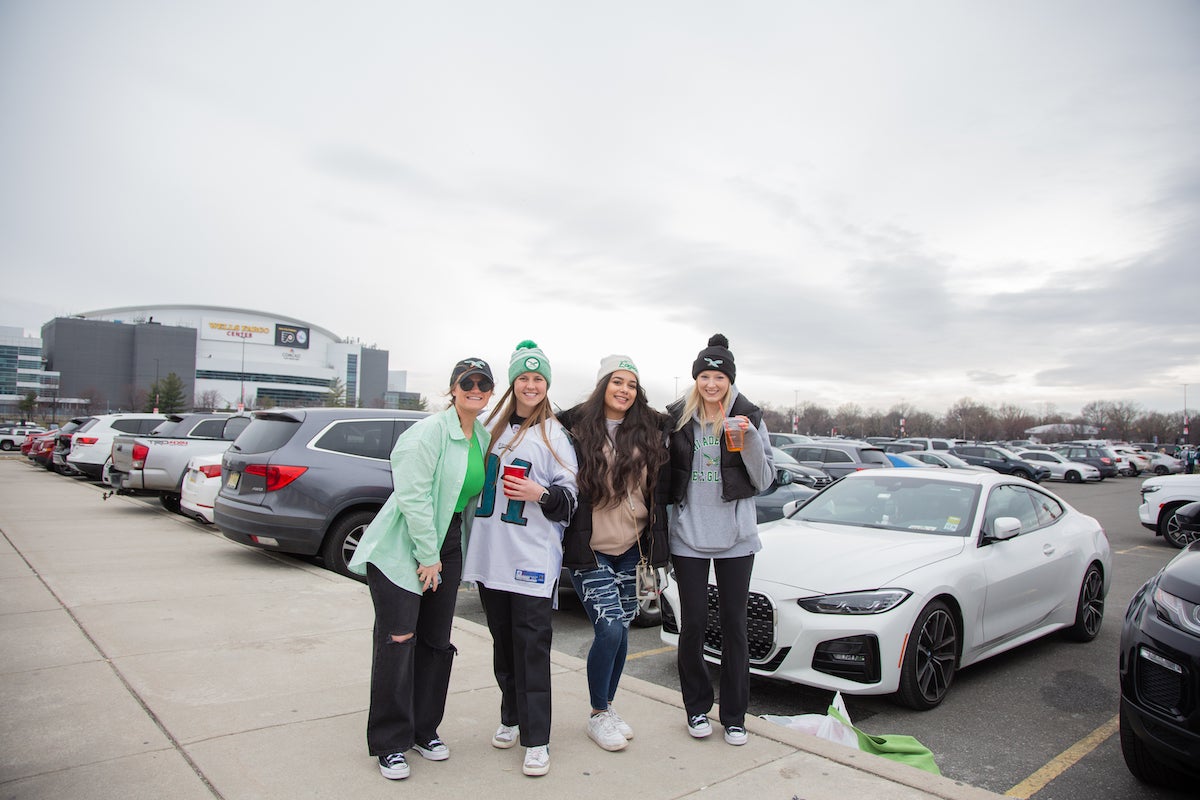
point(735, 480)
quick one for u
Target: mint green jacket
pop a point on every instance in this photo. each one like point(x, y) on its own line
point(429, 466)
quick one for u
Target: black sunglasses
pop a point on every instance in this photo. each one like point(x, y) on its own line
point(469, 383)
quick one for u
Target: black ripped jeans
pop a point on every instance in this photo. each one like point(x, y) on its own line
point(410, 679)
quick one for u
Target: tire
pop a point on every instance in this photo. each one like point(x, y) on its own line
point(1073, 477)
point(930, 659)
point(1089, 609)
point(1161, 470)
point(342, 540)
point(1170, 529)
point(170, 501)
point(649, 613)
point(1141, 763)
point(6, 445)
point(1020, 473)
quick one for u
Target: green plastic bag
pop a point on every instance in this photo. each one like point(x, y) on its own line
point(896, 747)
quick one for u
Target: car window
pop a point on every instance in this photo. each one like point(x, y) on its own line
point(399, 427)
point(874, 457)
point(1010, 501)
point(1048, 509)
point(209, 429)
point(806, 453)
point(265, 434)
point(1035, 456)
point(369, 438)
point(835, 457)
point(941, 446)
point(133, 425)
point(233, 428)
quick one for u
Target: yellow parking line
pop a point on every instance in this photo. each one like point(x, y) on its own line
point(654, 652)
point(1063, 761)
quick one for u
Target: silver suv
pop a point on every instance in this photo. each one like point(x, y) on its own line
point(309, 480)
point(838, 459)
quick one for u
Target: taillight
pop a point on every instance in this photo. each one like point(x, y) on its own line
point(277, 477)
point(1105, 460)
point(88, 439)
point(140, 451)
point(211, 470)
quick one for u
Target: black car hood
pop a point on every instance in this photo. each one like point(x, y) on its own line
point(1181, 577)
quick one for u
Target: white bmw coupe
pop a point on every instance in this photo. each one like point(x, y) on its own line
point(887, 582)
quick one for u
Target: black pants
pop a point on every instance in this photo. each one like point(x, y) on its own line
point(410, 679)
point(521, 634)
point(733, 586)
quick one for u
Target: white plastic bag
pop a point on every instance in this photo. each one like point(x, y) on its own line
point(825, 726)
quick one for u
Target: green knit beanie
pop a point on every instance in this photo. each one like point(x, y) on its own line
point(528, 357)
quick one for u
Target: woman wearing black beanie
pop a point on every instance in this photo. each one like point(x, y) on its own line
point(713, 521)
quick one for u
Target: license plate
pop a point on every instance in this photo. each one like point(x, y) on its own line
point(232, 483)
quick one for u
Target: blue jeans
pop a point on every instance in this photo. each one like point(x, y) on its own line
point(609, 595)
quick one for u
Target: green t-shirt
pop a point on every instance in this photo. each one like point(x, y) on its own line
point(473, 484)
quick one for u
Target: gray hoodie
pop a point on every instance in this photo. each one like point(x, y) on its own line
point(705, 526)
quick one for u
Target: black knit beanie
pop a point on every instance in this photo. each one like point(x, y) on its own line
point(715, 356)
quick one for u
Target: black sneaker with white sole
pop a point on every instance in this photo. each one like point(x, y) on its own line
point(433, 750)
point(699, 726)
point(393, 766)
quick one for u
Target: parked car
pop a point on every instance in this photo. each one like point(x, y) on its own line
point(1163, 464)
point(904, 460)
point(784, 489)
point(903, 447)
point(1060, 468)
point(41, 448)
point(12, 437)
point(157, 461)
point(1160, 671)
point(1099, 456)
point(201, 482)
point(62, 446)
point(1136, 462)
point(838, 458)
point(945, 459)
point(811, 477)
point(889, 581)
point(309, 480)
point(1001, 460)
point(1161, 498)
point(780, 439)
point(927, 443)
point(91, 444)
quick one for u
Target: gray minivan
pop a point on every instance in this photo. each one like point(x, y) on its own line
point(309, 480)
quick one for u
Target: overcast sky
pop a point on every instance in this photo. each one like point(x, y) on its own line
point(877, 202)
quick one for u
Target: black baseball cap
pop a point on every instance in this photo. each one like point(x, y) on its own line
point(471, 366)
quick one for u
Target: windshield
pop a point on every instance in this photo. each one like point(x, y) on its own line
point(896, 503)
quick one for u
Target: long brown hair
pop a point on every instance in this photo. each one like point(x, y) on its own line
point(637, 448)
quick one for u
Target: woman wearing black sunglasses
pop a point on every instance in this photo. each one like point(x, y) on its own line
point(411, 549)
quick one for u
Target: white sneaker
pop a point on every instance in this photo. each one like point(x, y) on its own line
point(699, 726)
point(603, 732)
point(736, 735)
point(505, 736)
point(537, 760)
point(620, 724)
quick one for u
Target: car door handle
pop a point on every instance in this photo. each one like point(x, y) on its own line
point(1048, 549)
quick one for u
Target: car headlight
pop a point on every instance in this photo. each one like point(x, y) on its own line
point(1179, 612)
point(1149, 490)
point(875, 601)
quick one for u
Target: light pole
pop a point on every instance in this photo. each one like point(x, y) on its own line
point(156, 389)
point(796, 411)
point(242, 379)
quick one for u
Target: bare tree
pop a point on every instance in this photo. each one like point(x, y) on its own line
point(210, 399)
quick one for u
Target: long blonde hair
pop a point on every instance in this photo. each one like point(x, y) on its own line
point(542, 413)
point(693, 403)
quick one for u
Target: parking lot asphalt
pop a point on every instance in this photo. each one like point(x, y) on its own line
point(143, 656)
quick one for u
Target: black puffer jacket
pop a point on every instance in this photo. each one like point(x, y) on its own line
point(577, 540)
point(735, 481)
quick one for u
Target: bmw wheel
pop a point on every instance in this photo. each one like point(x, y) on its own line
point(1089, 611)
point(930, 659)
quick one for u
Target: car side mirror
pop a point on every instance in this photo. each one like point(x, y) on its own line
point(1005, 528)
point(783, 477)
point(790, 507)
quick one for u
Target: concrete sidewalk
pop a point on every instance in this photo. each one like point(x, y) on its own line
point(145, 656)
